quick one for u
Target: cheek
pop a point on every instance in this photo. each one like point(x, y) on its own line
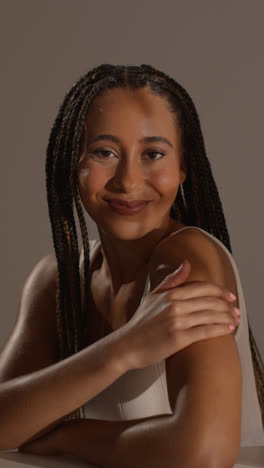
point(91, 180)
point(166, 181)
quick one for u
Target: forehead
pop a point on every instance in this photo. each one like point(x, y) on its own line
point(126, 108)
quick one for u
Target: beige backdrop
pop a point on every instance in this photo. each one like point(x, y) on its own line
point(213, 48)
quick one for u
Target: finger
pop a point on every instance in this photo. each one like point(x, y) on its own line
point(196, 304)
point(205, 317)
point(204, 332)
point(198, 289)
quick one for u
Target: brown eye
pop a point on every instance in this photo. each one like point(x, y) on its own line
point(100, 151)
point(156, 152)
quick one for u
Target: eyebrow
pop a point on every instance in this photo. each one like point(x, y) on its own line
point(115, 139)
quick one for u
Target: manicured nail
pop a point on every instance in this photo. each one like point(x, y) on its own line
point(232, 296)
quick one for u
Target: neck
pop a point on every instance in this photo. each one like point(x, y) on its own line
point(127, 261)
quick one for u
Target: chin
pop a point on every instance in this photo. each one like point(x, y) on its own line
point(123, 232)
point(123, 236)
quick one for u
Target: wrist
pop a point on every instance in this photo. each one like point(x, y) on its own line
point(120, 356)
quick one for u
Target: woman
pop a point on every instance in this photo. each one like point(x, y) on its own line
point(137, 365)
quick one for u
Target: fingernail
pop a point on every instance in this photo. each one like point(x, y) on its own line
point(232, 295)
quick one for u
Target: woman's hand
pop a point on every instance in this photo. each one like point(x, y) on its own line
point(174, 315)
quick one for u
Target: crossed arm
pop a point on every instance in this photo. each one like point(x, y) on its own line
point(173, 441)
point(146, 442)
point(204, 430)
point(203, 433)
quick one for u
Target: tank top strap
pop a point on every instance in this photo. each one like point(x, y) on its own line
point(181, 229)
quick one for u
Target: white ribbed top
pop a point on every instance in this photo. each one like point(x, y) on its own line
point(142, 393)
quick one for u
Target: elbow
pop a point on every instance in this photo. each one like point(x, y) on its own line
point(194, 459)
point(225, 456)
point(197, 462)
point(211, 462)
point(218, 450)
point(197, 458)
point(224, 459)
point(215, 463)
point(222, 462)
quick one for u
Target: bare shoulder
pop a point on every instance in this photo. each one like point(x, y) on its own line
point(43, 280)
point(40, 283)
point(33, 340)
point(32, 343)
point(209, 261)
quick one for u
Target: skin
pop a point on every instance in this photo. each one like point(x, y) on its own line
point(129, 170)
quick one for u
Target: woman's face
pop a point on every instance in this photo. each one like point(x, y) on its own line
point(127, 164)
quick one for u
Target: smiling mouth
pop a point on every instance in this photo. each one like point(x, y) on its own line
point(129, 204)
point(124, 209)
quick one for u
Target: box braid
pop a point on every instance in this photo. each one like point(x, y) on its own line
point(197, 202)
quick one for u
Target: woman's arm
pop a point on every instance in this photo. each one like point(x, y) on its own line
point(115, 444)
point(208, 403)
point(30, 403)
point(204, 430)
point(36, 392)
point(161, 441)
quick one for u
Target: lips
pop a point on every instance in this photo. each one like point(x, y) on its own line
point(131, 204)
point(128, 210)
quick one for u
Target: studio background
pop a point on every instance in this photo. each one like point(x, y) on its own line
point(213, 49)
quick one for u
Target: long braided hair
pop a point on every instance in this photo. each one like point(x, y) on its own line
point(196, 204)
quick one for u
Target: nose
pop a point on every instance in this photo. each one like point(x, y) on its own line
point(129, 175)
